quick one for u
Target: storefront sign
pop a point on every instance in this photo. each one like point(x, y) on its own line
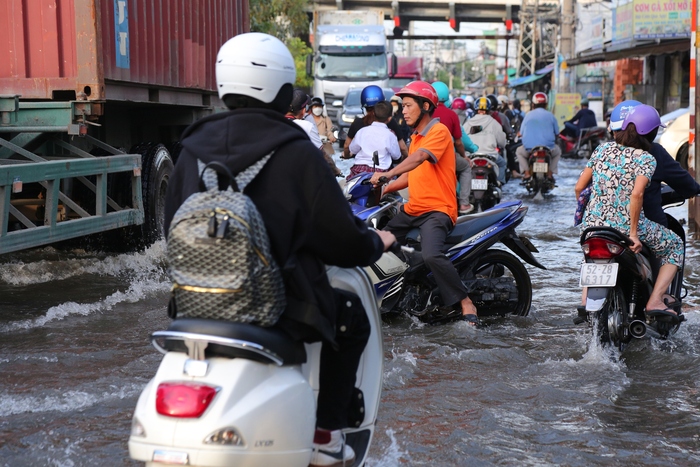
point(651, 19)
point(565, 106)
point(623, 22)
point(659, 19)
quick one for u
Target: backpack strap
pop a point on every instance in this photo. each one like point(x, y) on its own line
point(212, 179)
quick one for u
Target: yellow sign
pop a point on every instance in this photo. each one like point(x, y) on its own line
point(566, 106)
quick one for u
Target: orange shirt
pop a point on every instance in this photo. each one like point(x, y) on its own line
point(433, 184)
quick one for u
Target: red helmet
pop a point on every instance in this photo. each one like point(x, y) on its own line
point(419, 89)
point(539, 98)
point(459, 104)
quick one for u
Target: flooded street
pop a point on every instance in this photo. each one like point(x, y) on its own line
point(530, 391)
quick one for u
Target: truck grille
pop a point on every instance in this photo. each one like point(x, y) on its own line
point(333, 112)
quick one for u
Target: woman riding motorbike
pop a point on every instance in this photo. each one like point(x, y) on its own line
point(618, 173)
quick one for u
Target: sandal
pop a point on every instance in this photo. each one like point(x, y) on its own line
point(663, 315)
point(471, 319)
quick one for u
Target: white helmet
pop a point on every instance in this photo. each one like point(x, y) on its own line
point(469, 99)
point(502, 99)
point(254, 64)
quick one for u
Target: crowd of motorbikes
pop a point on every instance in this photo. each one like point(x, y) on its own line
point(237, 394)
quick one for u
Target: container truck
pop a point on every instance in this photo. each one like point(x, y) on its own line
point(94, 95)
point(349, 51)
point(408, 69)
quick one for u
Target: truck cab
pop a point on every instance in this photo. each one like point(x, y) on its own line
point(347, 56)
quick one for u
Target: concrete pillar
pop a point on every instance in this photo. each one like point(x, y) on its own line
point(566, 42)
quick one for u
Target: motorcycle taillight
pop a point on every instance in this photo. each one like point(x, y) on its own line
point(600, 248)
point(183, 399)
point(540, 153)
point(480, 162)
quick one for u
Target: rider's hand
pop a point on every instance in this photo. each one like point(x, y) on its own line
point(388, 238)
point(375, 177)
point(636, 246)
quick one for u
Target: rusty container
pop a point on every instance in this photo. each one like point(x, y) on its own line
point(114, 49)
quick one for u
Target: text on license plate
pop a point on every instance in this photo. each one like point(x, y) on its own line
point(599, 275)
point(540, 167)
point(171, 457)
point(480, 184)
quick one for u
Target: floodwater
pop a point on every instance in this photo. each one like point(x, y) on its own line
point(530, 391)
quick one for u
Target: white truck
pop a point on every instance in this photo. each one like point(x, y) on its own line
point(349, 51)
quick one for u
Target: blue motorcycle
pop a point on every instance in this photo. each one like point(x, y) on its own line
point(497, 281)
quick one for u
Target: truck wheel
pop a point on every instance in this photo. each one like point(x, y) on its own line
point(156, 169)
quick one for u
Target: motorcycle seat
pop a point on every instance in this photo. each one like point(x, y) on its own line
point(466, 226)
point(251, 338)
point(471, 224)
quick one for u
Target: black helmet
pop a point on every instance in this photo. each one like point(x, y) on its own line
point(316, 101)
point(493, 100)
point(299, 101)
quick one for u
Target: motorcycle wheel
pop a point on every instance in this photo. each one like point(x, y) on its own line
point(611, 320)
point(500, 284)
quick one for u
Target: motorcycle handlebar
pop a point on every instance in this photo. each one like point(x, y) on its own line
point(396, 248)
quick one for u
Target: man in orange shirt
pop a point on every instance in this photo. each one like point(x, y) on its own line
point(429, 173)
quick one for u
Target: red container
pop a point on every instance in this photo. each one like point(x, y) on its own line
point(113, 49)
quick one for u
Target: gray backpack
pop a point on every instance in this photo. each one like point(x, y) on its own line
point(218, 253)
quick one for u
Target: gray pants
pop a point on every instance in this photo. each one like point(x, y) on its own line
point(434, 227)
point(522, 154)
point(464, 176)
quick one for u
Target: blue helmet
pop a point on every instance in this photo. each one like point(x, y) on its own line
point(371, 95)
point(620, 112)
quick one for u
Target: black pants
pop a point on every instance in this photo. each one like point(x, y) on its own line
point(434, 227)
point(338, 369)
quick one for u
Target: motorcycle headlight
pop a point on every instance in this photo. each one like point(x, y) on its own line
point(347, 118)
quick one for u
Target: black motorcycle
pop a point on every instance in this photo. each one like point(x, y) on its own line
point(485, 190)
point(539, 159)
point(619, 282)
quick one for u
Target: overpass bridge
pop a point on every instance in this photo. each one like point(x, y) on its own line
point(454, 11)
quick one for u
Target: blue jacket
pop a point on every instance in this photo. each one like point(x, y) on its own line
point(668, 170)
point(586, 119)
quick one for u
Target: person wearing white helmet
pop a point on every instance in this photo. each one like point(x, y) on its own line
point(308, 220)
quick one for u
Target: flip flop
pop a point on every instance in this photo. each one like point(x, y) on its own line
point(471, 319)
point(663, 315)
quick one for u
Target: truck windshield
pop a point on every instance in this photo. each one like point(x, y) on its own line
point(399, 82)
point(352, 67)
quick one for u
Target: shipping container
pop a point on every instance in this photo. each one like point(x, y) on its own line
point(63, 49)
point(94, 95)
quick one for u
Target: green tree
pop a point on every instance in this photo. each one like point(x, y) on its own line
point(300, 51)
point(286, 20)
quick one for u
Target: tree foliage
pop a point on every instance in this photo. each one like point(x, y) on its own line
point(286, 20)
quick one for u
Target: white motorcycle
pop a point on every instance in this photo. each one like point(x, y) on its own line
point(236, 394)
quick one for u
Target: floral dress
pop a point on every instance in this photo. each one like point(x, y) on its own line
point(615, 169)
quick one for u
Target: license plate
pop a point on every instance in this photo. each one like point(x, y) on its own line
point(480, 184)
point(598, 275)
point(540, 167)
point(170, 457)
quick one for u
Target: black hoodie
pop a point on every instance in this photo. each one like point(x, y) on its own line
point(308, 220)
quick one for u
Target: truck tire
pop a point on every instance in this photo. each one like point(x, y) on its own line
point(156, 169)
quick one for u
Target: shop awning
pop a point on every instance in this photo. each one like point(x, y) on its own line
point(525, 80)
point(636, 49)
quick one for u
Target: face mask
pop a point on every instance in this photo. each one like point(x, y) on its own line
point(317, 111)
point(395, 109)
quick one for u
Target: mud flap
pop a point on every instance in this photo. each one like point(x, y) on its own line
point(522, 247)
point(595, 298)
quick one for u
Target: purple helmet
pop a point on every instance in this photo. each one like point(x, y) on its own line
point(645, 118)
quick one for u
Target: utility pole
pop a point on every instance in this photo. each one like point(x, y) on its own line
point(566, 42)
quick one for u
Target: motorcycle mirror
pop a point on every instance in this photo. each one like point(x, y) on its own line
point(375, 158)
